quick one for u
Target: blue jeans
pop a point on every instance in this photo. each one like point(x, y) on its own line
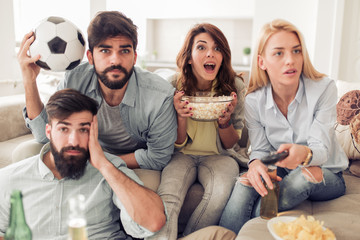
point(244, 202)
point(216, 173)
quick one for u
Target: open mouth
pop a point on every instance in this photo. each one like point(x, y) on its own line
point(292, 71)
point(209, 66)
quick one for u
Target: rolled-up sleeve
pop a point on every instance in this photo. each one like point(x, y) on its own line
point(37, 125)
point(130, 226)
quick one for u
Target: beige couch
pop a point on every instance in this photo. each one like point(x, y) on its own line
point(341, 215)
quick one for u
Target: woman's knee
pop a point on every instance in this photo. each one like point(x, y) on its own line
point(243, 179)
point(313, 174)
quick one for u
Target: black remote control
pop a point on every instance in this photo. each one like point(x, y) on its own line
point(273, 158)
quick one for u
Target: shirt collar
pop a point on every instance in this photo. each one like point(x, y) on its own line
point(131, 90)
point(44, 171)
point(298, 97)
point(94, 84)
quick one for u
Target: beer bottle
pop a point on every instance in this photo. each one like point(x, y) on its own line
point(18, 228)
point(270, 202)
point(10, 232)
point(77, 220)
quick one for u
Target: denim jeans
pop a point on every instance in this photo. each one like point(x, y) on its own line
point(244, 202)
point(216, 173)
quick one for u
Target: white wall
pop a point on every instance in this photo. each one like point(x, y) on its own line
point(225, 14)
point(349, 61)
point(8, 66)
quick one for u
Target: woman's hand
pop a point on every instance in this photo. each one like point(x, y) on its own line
point(297, 154)
point(181, 106)
point(257, 170)
point(229, 110)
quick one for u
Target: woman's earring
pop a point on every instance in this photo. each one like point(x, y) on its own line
point(263, 68)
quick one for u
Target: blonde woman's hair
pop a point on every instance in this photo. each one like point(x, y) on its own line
point(259, 77)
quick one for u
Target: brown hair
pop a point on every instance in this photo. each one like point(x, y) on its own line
point(67, 101)
point(259, 77)
point(226, 74)
point(111, 24)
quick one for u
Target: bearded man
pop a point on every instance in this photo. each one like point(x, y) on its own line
point(74, 163)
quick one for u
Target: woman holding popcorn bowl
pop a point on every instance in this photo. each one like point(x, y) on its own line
point(205, 66)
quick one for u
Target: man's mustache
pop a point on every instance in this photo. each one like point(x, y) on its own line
point(77, 148)
point(113, 67)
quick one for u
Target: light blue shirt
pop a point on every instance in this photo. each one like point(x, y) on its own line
point(147, 112)
point(310, 121)
point(45, 200)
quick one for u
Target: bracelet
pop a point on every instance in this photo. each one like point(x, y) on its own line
point(225, 125)
point(308, 157)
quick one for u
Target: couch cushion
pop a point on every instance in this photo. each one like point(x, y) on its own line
point(7, 147)
point(11, 117)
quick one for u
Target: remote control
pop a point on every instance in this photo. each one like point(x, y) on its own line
point(273, 158)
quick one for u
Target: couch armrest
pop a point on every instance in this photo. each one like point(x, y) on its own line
point(12, 123)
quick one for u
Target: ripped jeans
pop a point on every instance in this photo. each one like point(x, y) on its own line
point(244, 202)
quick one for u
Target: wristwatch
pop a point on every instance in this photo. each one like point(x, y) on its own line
point(308, 157)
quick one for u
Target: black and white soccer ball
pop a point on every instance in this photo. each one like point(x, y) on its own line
point(60, 44)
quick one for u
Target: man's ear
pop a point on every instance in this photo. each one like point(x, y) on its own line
point(90, 57)
point(48, 130)
point(135, 57)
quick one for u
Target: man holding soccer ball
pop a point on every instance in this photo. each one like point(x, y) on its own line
point(137, 120)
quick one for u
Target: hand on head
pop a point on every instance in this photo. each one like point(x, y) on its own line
point(96, 152)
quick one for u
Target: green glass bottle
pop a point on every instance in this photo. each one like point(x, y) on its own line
point(10, 232)
point(18, 228)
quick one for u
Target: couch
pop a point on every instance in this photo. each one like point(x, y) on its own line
point(340, 215)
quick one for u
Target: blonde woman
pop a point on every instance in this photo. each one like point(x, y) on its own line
point(289, 106)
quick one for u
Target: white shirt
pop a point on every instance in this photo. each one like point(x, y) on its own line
point(310, 121)
point(45, 200)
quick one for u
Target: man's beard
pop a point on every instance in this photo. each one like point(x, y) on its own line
point(72, 167)
point(114, 84)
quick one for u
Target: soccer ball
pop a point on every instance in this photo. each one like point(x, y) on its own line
point(60, 44)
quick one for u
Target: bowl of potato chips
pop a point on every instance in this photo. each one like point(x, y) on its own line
point(299, 228)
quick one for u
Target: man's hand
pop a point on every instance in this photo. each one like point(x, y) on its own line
point(97, 156)
point(28, 67)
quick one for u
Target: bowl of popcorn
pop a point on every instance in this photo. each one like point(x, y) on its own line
point(205, 106)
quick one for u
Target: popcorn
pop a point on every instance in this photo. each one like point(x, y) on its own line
point(207, 108)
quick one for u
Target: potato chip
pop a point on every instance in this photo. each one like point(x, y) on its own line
point(303, 229)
